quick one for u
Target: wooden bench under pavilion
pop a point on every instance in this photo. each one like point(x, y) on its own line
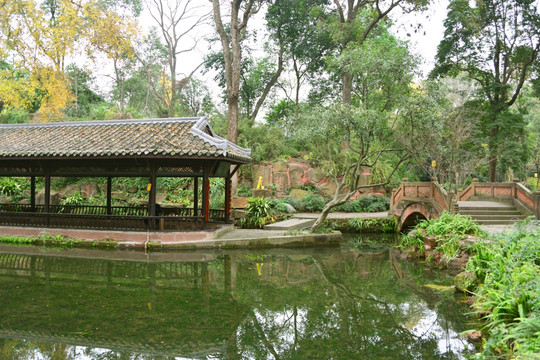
point(152, 148)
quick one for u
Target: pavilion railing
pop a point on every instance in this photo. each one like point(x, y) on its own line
point(96, 217)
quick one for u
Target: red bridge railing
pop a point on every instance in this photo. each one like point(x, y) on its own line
point(427, 191)
point(503, 191)
point(434, 193)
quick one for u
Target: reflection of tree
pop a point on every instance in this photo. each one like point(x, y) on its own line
point(335, 304)
point(344, 311)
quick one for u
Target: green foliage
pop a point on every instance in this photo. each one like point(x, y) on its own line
point(9, 187)
point(447, 230)
point(313, 203)
point(74, 199)
point(259, 212)
point(244, 190)
point(507, 268)
point(449, 225)
point(366, 203)
point(385, 225)
point(277, 205)
point(14, 116)
point(217, 193)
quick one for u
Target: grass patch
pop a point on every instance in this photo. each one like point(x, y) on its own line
point(58, 241)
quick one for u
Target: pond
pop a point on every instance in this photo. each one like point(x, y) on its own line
point(311, 303)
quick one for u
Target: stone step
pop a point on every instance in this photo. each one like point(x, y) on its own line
point(496, 222)
point(291, 224)
point(489, 212)
point(485, 208)
point(518, 217)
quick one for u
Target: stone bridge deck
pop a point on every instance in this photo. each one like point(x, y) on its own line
point(487, 203)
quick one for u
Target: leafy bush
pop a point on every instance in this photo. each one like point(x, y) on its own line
point(258, 212)
point(74, 199)
point(447, 230)
point(313, 203)
point(14, 116)
point(244, 190)
point(9, 187)
point(278, 205)
point(507, 269)
point(385, 225)
point(366, 203)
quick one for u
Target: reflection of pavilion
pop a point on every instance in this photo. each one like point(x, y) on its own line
point(161, 306)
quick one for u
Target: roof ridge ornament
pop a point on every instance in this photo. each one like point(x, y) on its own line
point(214, 139)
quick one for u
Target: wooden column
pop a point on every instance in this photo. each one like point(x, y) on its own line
point(46, 207)
point(195, 196)
point(227, 198)
point(33, 194)
point(206, 196)
point(109, 195)
point(152, 195)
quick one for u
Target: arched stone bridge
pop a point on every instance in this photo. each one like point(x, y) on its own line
point(412, 202)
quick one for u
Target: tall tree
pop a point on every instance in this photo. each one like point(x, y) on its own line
point(295, 23)
point(384, 70)
point(42, 37)
point(231, 36)
point(496, 43)
point(351, 22)
point(177, 20)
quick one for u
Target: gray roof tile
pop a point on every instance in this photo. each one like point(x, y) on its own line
point(118, 138)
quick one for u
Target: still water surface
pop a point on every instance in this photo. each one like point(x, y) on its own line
point(320, 303)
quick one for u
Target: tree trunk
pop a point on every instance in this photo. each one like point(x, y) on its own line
point(493, 148)
point(346, 91)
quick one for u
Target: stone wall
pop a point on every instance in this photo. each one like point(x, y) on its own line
point(296, 173)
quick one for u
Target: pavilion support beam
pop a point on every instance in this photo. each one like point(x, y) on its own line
point(195, 196)
point(228, 184)
point(109, 195)
point(47, 201)
point(206, 196)
point(152, 195)
point(33, 194)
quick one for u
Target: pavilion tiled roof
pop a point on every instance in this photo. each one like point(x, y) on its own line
point(171, 137)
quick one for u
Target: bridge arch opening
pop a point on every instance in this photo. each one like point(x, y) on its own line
point(411, 220)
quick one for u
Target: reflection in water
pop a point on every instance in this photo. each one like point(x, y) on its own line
point(334, 303)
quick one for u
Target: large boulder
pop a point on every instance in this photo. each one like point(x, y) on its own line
point(279, 167)
point(264, 172)
point(296, 173)
point(328, 187)
point(315, 175)
point(55, 198)
point(264, 193)
point(290, 208)
point(89, 190)
point(119, 195)
point(69, 190)
point(239, 202)
point(298, 194)
point(281, 181)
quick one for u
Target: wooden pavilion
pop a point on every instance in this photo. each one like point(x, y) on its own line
point(152, 148)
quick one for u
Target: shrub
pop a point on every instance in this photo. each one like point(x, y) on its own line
point(259, 213)
point(313, 203)
point(366, 203)
point(509, 292)
point(244, 190)
point(74, 199)
point(9, 187)
point(448, 230)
